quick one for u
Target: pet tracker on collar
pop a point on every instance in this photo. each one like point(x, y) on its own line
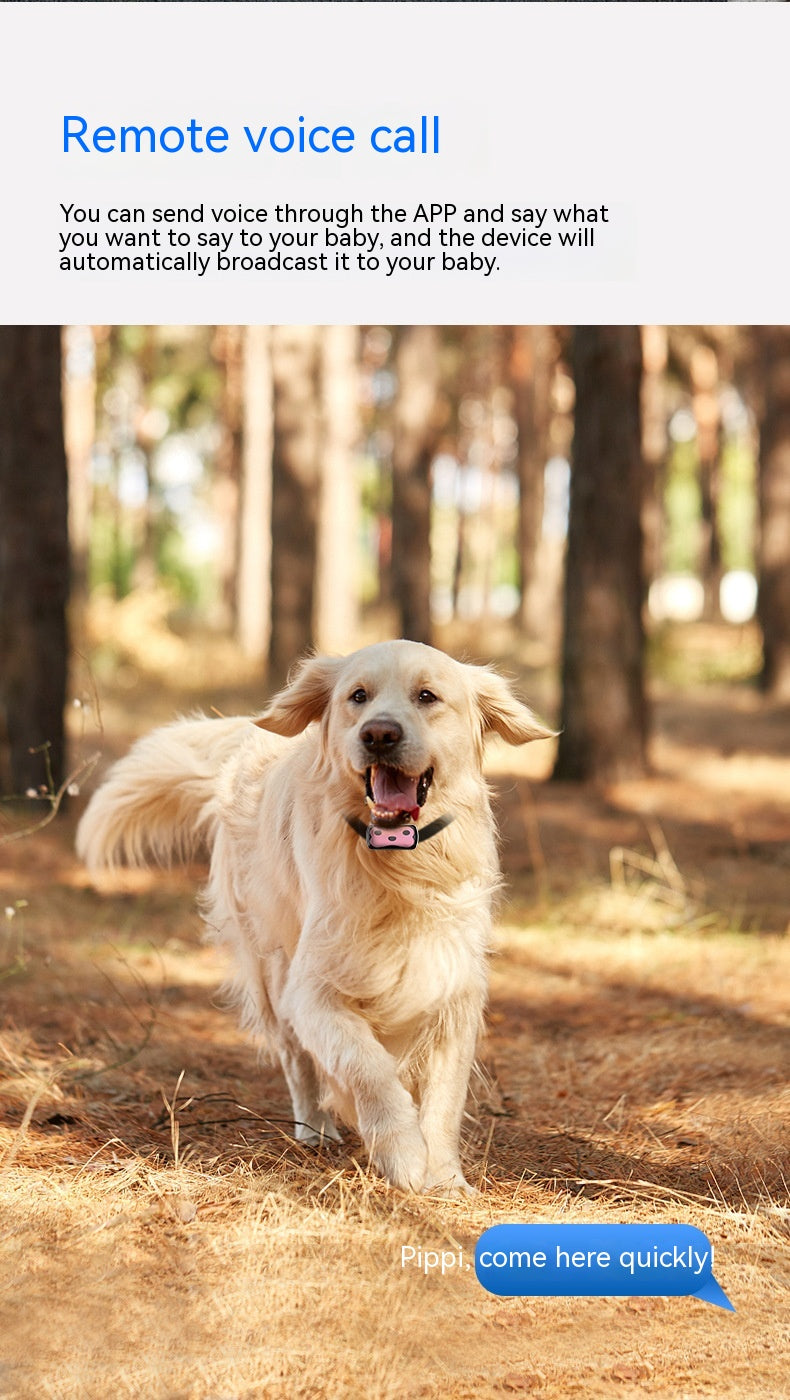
point(400, 838)
point(381, 838)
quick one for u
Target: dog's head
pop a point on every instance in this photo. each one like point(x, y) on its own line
point(400, 718)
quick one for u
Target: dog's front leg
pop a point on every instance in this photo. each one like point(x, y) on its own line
point(312, 1124)
point(444, 1082)
point(347, 1052)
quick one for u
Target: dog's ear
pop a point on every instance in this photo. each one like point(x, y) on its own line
point(303, 699)
point(502, 713)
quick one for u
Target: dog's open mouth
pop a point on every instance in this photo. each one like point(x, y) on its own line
point(395, 797)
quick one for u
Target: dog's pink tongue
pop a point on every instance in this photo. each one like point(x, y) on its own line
point(394, 791)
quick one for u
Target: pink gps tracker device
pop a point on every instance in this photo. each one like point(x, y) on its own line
point(381, 838)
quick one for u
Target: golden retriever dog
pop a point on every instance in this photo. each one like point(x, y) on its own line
point(360, 947)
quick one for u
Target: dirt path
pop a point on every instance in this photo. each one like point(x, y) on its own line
point(635, 1068)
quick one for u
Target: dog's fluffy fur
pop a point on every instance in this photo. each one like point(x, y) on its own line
point(364, 971)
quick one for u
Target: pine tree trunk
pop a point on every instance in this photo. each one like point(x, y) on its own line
point(415, 441)
point(603, 709)
point(79, 431)
point(295, 495)
point(531, 365)
point(774, 595)
point(337, 602)
point(34, 556)
point(655, 441)
point(253, 574)
point(704, 371)
point(228, 349)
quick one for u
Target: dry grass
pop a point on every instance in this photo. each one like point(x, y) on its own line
point(162, 1236)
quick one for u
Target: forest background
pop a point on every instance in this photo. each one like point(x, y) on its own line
point(604, 512)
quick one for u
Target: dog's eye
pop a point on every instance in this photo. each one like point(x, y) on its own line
point(358, 696)
point(427, 697)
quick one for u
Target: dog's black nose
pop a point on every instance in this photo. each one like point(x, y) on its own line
point(381, 735)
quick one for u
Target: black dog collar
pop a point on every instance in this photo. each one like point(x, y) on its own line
point(399, 838)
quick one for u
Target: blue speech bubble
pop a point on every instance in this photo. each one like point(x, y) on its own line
point(598, 1261)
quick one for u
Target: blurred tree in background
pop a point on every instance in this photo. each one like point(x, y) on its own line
point(252, 587)
point(337, 583)
point(296, 494)
point(416, 433)
point(774, 595)
point(34, 559)
point(603, 728)
point(239, 494)
point(533, 356)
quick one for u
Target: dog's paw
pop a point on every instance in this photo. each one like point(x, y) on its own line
point(320, 1129)
point(447, 1180)
point(391, 1132)
point(402, 1159)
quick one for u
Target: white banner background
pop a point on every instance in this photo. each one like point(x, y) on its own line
point(673, 116)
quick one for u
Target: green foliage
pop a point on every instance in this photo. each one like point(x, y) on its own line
point(682, 508)
point(688, 655)
point(176, 364)
point(112, 552)
point(194, 587)
point(737, 506)
point(506, 563)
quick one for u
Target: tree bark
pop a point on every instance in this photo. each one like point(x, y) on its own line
point(704, 373)
point(774, 594)
point(337, 603)
point(34, 556)
point(603, 709)
point(295, 495)
point(532, 356)
point(655, 441)
point(228, 350)
point(254, 567)
point(79, 431)
point(416, 436)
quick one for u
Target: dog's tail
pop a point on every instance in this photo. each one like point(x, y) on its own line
point(156, 805)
